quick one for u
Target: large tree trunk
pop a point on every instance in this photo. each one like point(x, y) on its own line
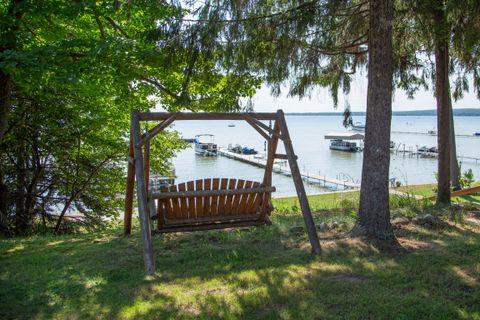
point(374, 215)
point(443, 109)
point(454, 167)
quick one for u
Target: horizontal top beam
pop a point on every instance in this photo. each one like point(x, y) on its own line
point(158, 116)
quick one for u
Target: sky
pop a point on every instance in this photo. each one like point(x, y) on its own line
point(321, 101)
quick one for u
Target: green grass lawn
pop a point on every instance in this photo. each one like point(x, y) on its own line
point(428, 190)
point(257, 273)
point(333, 200)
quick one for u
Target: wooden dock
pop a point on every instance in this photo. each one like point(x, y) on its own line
point(414, 152)
point(281, 167)
point(433, 134)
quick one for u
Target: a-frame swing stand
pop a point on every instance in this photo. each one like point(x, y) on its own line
point(188, 210)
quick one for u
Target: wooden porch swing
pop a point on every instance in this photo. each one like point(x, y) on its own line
point(212, 203)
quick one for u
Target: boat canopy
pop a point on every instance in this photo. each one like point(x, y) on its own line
point(345, 136)
point(204, 138)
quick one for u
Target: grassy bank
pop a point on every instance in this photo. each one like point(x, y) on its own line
point(428, 190)
point(258, 273)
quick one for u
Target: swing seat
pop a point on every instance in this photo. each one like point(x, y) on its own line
point(212, 203)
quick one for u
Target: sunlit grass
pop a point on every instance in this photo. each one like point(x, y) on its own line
point(256, 273)
point(428, 190)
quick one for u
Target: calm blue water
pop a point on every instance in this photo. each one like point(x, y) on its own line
point(314, 155)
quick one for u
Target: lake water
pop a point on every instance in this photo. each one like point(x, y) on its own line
point(314, 155)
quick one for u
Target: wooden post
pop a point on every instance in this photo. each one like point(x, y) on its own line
point(267, 177)
point(127, 217)
point(297, 179)
point(146, 162)
point(272, 149)
point(142, 195)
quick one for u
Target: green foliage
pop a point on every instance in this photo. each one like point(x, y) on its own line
point(307, 44)
point(353, 214)
point(467, 178)
point(348, 204)
point(75, 70)
point(407, 202)
point(417, 27)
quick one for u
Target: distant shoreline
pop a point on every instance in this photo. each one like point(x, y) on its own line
point(464, 112)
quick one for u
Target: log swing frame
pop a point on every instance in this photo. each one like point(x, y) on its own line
point(139, 164)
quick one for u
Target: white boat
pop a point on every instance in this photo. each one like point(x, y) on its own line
point(344, 141)
point(157, 182)
point(358, 126)
point(344, 146)
point(205, 145)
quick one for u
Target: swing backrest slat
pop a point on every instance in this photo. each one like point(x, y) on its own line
point(213, 202)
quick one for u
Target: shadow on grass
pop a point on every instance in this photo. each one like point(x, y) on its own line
point(475, 198)
point(263, 272)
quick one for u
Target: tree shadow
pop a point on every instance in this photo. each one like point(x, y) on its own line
point(255, 273)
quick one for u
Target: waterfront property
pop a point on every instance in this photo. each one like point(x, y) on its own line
point(315, 158)
point(344, 141)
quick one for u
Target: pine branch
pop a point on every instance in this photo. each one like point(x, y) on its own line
point(254, 18)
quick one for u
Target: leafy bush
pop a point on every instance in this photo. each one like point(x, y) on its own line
point(348, 204)
point(467, 178)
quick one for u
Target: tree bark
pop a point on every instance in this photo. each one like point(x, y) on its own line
point(443, 109)
point(374, 215)
point(454, 167)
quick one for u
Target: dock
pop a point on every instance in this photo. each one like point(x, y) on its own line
point(415, 152)
point(281, 167)
point(433, 134)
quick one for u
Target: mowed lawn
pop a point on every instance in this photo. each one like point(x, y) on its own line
point(256, 273)
point(428, 190)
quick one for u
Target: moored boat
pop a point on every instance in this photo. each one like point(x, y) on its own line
point(242, 150)
point(344, 141)
point(205, 145)
point(341, 145)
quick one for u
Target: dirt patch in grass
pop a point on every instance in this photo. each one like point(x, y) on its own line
point(413, 245)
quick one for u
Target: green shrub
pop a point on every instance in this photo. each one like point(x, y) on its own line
point(467, 178)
